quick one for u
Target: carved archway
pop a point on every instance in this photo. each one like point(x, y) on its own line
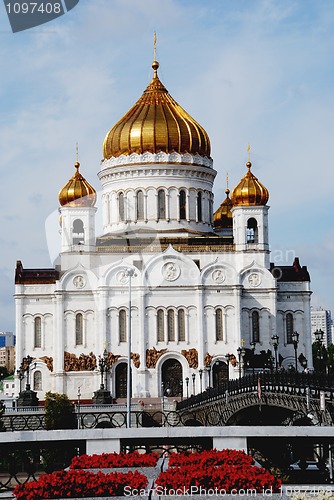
point(121, 380)
point(219, 373)
point(171, 376)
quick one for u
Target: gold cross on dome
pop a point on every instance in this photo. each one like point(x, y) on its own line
point(242, 342)
point(248, 150)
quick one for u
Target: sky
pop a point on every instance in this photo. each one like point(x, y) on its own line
point(249, 71)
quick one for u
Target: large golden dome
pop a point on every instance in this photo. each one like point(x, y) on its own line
point(250, 191)
point(156, 123)
point(222, 218)
point(77, 192)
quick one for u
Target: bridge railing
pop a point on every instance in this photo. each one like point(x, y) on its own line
point(287, 383)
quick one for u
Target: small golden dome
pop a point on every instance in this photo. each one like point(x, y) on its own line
point(156, 123)
point(222, 218)
point(77, 192)
point(250, 191)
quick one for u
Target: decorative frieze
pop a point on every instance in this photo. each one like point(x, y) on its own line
point(152, 356)
point(191, 356)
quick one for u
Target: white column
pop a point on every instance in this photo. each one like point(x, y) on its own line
point(201, 330)
point(167, 207)
point(59, 336)
point(187, 206)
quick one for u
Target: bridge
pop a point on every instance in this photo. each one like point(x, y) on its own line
point(267, 398)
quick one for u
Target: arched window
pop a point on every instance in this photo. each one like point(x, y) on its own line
point(255, 326)
point(79, 329)
point(199, 206)
point(161, 204)
point(181, 325)
point(182, 201)
point(160, 326)
point(219, 324)
point(140, 205)
point(289, 328)
point(122, 325)
point(171, 325)
point(121, 210)
point(38, 332)
point(78, 232)
point(252, 232)
point(37, 381)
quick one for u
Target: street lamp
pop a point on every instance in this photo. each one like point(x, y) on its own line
point(319, 335)
point(295, 340)
point(103, 365)
point(129, 273)
point(79, 394)
point(200, 379)
point(275, 342)
point(20, 374)
point(252, 346)
point(187, 384)
point(193, 376)
point(25, 366)
point(241, 352)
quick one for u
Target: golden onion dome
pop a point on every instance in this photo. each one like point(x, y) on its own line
point(77, 192)
point(250, 191)
point(222, 218)
point(156, 123)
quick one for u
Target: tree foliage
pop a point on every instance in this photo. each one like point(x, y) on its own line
point(59, 411)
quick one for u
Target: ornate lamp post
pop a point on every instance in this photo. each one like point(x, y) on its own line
point(26, 397)
point(275, 342)
point(241, 352)
point(193, 376)
point(295, 340)
point(200, 379)
point(103, 396)
point(318, 335)
point(20, 374)
point(187, 384)
point(252, 346)
point(78, 406)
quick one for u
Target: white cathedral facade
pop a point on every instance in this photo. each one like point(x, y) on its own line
point(200, 285)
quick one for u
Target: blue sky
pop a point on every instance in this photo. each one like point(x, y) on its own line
point(257, 71)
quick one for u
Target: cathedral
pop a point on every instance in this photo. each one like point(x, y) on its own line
point(187, 295)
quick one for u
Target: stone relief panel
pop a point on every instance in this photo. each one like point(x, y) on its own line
point(152, 356)
point(191, 356)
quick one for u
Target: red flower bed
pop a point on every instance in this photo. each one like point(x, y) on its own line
point(80, 484)
point(222, 470)
point(110, 460)
point(212, 457)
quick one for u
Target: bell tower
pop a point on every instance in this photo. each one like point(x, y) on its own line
point(77, 214)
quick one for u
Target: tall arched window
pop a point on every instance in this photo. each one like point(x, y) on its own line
point(171, 325)
point(161, 204)
point(289, 328)
point(79, 329)
point(38, 332)
point(252, 232)
point(37, 381)
point(121, 210)
point(219, 324)
point(181, 325)
point(140, 205)
point(78, 232)
point(255, 326)
point(160, 326)
point(199, 206)
point(122, 325)
point(182, 201)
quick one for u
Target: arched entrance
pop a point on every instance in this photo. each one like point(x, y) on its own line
point(171, 376)
point(219, 373)
point(121, 379)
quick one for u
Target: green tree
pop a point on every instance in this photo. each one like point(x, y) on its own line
point(59, 411)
